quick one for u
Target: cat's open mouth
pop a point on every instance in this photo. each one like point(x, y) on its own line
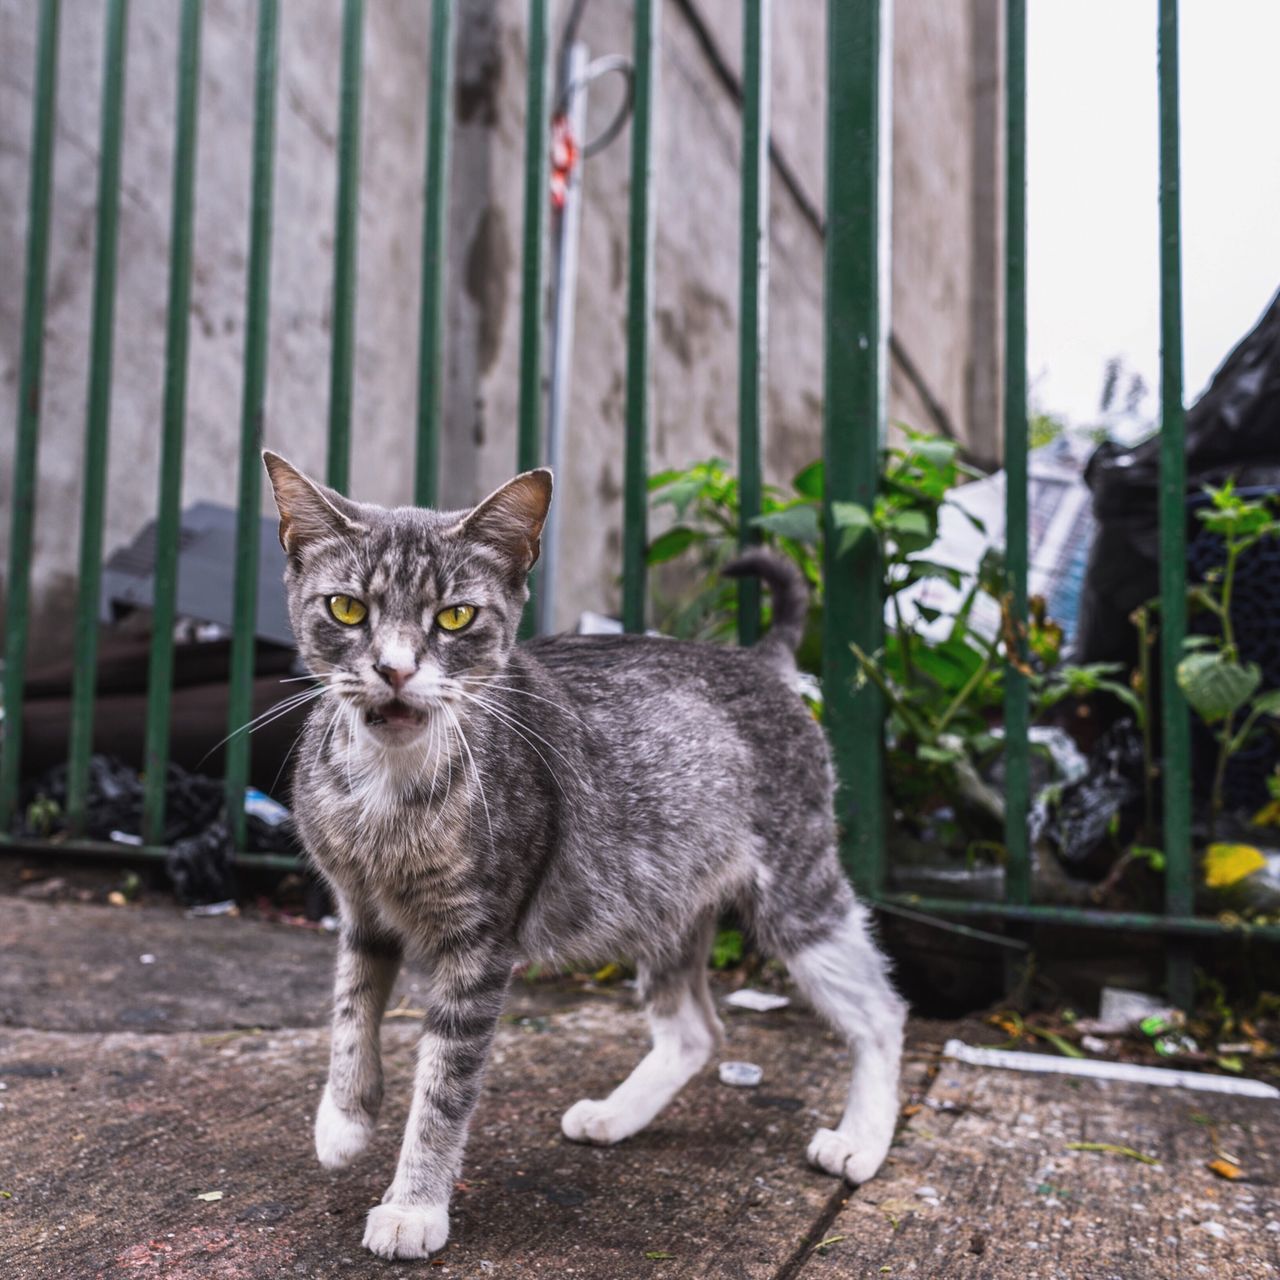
point(395, 712)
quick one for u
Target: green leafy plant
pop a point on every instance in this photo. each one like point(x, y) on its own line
point(941, 677)
point(706, 502)
point(726, 949)
point(1219, 686)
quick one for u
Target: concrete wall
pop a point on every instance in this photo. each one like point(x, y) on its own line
point(942, 267)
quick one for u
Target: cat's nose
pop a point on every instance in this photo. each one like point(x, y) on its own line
point(394, 672)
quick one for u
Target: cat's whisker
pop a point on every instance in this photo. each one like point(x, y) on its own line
point(435, 755)
point(272, 713)
point(509, 717)
point(502, 719)
point(493, 682)
point(475, 771)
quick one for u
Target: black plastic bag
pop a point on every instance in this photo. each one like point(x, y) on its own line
point(1232, 430)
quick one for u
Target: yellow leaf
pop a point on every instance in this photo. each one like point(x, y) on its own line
point(1268, 815)
point(1225, 864)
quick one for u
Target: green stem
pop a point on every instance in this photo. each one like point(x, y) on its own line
point(1229, 652)
point(1145, 639)
point(909, 718)
point(904, 639)
point(963, 696)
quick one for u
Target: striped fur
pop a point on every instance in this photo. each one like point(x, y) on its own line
point(571, 800)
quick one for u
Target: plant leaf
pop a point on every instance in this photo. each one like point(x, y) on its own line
point(1267, 704)
point(799, 522)
point(670, 544)
point(911, 530)
point(1114, 1149)
point(1227, 864)
point(1215, 686)
point(810, 480)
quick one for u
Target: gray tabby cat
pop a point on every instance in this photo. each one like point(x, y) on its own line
point(473, 803)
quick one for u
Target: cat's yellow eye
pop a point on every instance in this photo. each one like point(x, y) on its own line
point(347, 610)
point(456, 616)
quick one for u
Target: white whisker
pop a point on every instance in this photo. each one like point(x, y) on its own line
point(505, 718)
point(492, 682)
point(274, 712)
point(475, 770)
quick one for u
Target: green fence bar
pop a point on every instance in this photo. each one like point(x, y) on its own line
point(252, 408)
point(753, 291)
point(635, 495)
point(426, 480)
point(169, 502)
point(125, 854)
point(22, 515)
point(93, 500)
point(1016, 710)
point(533, 272)
point(1179, 891)
point(346, 237)
point(852, 426)
point(1186, 926)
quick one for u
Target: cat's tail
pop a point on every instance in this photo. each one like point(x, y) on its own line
point(788, 588)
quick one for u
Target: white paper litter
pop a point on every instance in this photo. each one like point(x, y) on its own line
point(1128, 1072)
point(1122, 1008)
point(756, 1001)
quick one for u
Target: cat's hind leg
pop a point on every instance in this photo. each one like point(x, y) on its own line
point(686, 1032)
point(843, 974)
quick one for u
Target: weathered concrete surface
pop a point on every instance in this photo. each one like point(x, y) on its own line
point(983, 1184)
point(131, 1089)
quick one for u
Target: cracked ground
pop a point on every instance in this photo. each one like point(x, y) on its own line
point(158, 1077)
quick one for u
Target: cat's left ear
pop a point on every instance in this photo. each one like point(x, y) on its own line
point(308, 511)
point(511, 518)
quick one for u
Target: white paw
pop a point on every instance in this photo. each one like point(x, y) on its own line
point(591, 1121)
point(845, 1157)
point(340, 1135)
point(406, 1231)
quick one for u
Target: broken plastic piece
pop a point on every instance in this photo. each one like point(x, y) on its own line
point(742, 1075)
point(756, 1001)
point(1166, 1077)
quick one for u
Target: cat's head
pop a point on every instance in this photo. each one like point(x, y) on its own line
point(404, 612)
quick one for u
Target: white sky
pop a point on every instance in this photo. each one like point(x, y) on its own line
point(1092, 213)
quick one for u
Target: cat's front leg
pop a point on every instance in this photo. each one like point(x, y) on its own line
point(368, 960)
point(469, 991)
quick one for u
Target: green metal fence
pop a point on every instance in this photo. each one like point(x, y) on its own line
point(855, 347)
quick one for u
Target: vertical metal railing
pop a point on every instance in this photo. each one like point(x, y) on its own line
point(93, 502)
point(533, 274)
point(853, 422)
point(426, 482)
point(345, 239)
point(1016, 700)
point(169, 498)
point(252, 409)
point(854, 345)
point(635, 495)
point(30, 376)
point(1176, 729)
point(753, 292)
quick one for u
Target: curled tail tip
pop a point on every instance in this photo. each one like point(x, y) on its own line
point(786, 585)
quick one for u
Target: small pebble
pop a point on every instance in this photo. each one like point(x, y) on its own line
point(146, 958)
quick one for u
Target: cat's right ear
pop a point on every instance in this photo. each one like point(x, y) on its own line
point(308, 511)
